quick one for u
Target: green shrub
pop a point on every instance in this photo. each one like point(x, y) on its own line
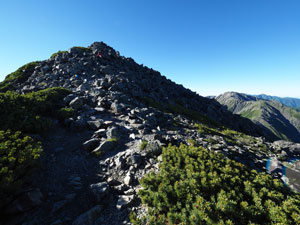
point(195, 186)
point(57, 53)
point(143, 144)
point(204, 129)
point(113, 139)
point(83, 49)
point(65, 113)
point(18, 155)
point(30, 112)
point(20, 75)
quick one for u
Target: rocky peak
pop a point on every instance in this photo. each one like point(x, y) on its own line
point(99, 73)
point(237, 96)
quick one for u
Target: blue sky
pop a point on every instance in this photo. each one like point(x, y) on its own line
point(209, 46)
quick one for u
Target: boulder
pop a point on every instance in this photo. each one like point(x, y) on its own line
point(128, 179)
point(135, 160)
point(100, 133)
point(113, 132)
point(113, 182)
point(100, 190)
point(90, 144)
point(78, 125)
point(83, 87)
point(76, 103)
point(106, 146)
point(94, 124)
point(89, 217)
point(124, 201)
point(116, 107)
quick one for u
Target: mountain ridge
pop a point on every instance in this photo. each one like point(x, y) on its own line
point(281, 120)
point(117, 134)
point(288, 101)
point(138, 86)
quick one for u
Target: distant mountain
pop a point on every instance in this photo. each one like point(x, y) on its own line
point(281, 120)
point(291, 102)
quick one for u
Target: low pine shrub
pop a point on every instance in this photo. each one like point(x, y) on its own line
point(18, 155)
point(30, 112)
point(195, 186)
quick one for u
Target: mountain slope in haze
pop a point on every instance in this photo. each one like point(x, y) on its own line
point(115, 138)
point(281, 120)
point(287, 101)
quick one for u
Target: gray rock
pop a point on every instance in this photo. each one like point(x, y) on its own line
point(106, 146)
point(124, 201)
point(129, 192)
point(121, 188)
point(132, 136)
point(58, 205)
point(120, 162)
point(76, 103)
point(89, 217)
point(100, 109)
point(70, 196)
point(128, 179)
point(100, 190)
point(95, 124)
point(107, 123)
point(100, 133)
point(113, 182)
point(116, 107)
point(25, 202)
point(90, 144)
point(153, 148)
point(35, 197)
point(75, 182)
point(84, 87)
point(45, 69)
point(112, 132)
point(135, 160)
point(77, 125)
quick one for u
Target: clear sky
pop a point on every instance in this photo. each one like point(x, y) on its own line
point(209, 46)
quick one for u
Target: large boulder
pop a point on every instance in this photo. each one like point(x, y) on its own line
point(89, 217)
point(90, 144)
point(76, 103)
point(106, 146)
point(100, 190)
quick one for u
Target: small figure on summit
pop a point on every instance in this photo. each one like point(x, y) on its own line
point(99, 55)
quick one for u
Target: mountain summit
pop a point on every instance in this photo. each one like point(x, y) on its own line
point(99, 72)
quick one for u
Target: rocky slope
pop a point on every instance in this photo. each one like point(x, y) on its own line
point(124, 113)
point(283, 121)
point(110, 77)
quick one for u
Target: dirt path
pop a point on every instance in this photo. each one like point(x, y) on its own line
point(64, 179)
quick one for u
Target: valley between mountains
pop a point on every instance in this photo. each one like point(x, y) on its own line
point(91, 137)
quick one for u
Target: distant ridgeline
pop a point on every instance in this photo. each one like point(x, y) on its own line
point(281, 120)
point(291, 102)
point(197, 162)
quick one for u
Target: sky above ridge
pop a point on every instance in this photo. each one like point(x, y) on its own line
point(209, 46)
